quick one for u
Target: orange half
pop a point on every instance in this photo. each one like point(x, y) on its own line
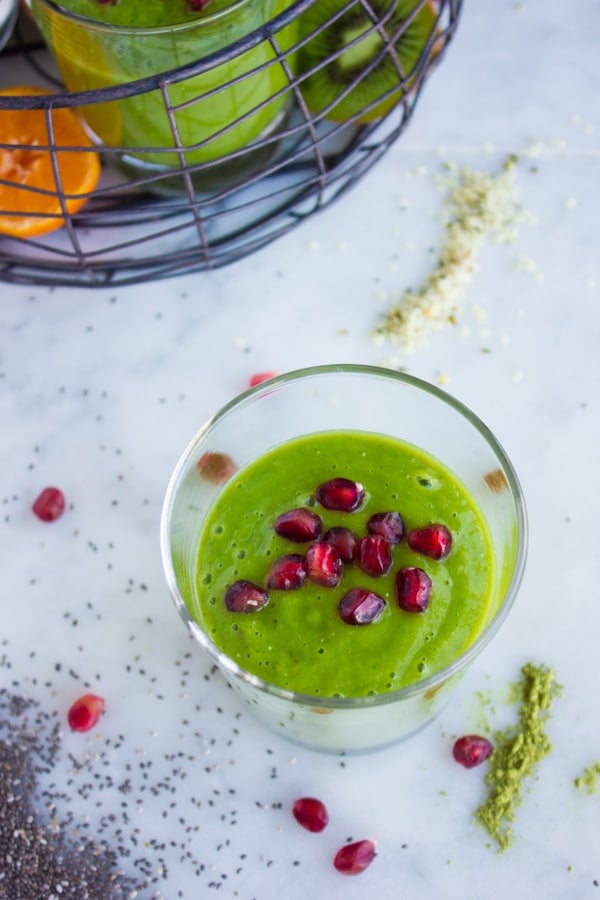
point(29, 193)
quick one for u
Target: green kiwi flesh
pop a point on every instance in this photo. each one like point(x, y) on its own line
point(350, 57)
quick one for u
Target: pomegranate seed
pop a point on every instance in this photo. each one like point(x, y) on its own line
point(471, 750)
point(343, 540)
point(413, 589)
point(361, 607)
point(260, 377)
point(85, 712)
point(310, 813)
point(197, 5)
point(245, 596)
point(50, 505)
point(299, 525)
point(389, 525)
point(324, 564)
point(374, 555)
point(340, 494)
point(216, 467)
point(288, 573)
point(352, 859)
point(432, 540)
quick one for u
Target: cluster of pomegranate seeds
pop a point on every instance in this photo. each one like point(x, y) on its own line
point(245, 596)
point(288, 573)
point(361, 607)
point(433, 540)
point(341, 494)
point(471, 750)
point(327, 553)
point(299, 525)
point(85, 712)
point(352, 859)
point(413, 589)
point(374, 555)
point(50, 505)
point(311, 814)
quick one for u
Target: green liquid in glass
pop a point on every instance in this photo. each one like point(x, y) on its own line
point(298, 641)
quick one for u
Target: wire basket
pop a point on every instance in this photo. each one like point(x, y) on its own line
point(147, 222)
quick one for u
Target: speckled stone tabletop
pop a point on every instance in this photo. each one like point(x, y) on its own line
point(100, 390)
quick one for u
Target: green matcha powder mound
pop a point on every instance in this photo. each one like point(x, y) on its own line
point(589, 780)
point(517, 752)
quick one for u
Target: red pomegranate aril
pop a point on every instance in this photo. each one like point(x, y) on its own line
point(288, 573)
point(434, 541)
point(471, 750)
point(344, 540)
point(374, 555)
point(413, 589)
point(352, 859)
point(311, 813)
point(260, 378)
point(50, 505)
point(216, 467)
point(361, 607)
point(389, 525)
point(245, 596)
point(324, 564)
point(299, 525)
point(340, 494)
point(85, 712)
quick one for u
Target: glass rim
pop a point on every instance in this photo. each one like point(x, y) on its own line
point(317, 701)
point(129, 30)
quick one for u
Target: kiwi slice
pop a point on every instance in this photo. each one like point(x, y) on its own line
point(395, 30)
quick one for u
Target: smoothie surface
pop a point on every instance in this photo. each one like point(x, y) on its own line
point(298, 641)
point(145, 13)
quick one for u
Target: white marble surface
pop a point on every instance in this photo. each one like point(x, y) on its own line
point(100, 391)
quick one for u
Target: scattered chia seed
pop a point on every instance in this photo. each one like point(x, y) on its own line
point(77, 812)
point(517, 752)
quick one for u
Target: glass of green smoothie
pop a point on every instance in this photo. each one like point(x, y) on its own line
point(220, 100)
point(343, 541)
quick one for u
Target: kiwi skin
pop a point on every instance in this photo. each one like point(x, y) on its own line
point(346, 67)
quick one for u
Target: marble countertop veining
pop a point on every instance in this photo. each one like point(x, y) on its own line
point(100, 390)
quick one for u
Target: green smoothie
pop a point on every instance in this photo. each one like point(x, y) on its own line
point(298, 641)
point(216, 113)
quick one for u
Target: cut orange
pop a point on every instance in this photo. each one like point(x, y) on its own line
point(30, 202)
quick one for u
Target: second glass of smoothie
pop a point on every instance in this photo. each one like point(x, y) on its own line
point(220, 122)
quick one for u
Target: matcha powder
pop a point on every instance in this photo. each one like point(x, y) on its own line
point(517, 752)
point(588, 782)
